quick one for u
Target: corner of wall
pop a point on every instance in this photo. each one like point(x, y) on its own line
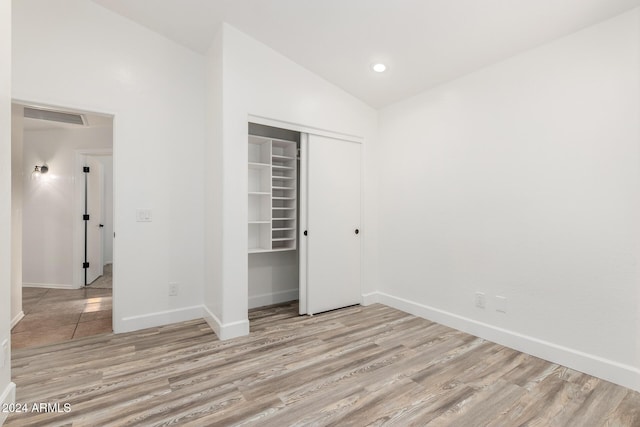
point(212, 289)
point(17, 142)
point(371, 298)
point(225, 331)
point(7, 388)
point(18, 317)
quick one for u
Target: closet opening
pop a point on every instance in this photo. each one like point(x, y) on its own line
point(273, 215)
point(304, 219)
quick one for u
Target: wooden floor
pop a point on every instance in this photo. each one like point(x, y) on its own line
point(356, 366)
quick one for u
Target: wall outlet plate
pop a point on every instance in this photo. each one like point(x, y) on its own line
point(174, 288)
point(480, 300)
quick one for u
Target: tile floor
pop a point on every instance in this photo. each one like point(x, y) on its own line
point(56, 315)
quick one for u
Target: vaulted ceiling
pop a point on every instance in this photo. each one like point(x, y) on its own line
point(423, 42)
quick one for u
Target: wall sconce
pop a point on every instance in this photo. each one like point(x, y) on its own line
point(38, 171)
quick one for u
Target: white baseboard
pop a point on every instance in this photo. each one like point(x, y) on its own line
point(370, 298)
point(273, 298)
point(16, 319)
point(618, 373)
point(7, 397)
point(228, 330)
point(161, 318)
point(49, 285)
point(223, 331)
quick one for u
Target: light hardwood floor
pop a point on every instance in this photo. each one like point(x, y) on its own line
point(356, 366)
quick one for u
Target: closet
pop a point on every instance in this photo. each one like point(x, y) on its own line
point(304, 237)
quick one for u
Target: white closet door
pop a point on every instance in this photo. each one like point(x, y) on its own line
point(333, 223)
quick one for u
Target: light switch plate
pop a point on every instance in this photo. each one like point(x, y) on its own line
point(144, 215)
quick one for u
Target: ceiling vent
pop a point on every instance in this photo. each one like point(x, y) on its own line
point(55, 116)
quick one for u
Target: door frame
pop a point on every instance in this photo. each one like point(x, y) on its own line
point(303, 129)
point(78, 195)
point(78, 208)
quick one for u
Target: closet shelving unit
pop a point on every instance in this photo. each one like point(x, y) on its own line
point(272, 194)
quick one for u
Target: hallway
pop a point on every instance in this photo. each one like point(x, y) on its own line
point(58, 315)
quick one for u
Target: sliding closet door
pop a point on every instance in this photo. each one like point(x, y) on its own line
point(333, 222)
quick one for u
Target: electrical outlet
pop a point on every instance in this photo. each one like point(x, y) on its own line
point(501, 304)
point(481, 301)
point(173, 289)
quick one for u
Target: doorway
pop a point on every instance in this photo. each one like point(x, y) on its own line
point(49, 302)
point(273, 194)
point(93, 244)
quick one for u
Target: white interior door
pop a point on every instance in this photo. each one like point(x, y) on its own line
point(94, 195)
point(333, 249)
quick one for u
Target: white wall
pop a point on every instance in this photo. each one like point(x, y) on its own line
point(272, 278)
point(522, 180)
point(261, 82)
point(50, 212)
point(17, 176)
point(7, 388)
point(91, 59)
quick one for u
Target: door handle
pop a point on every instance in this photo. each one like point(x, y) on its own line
point(357, 231)
point(101, 225)
point(305, 232)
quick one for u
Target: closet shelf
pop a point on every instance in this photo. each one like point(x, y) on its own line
point(254, 165)
point(283, 229)
point(282, 143)
point(259, 250)
point(283, 239)
point(283, 198)
point(280, 208)
point(282, 177)
point(289, 168)
point(282, 188)
point(283, 219)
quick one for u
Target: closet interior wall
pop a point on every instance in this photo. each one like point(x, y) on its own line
point(273, 276)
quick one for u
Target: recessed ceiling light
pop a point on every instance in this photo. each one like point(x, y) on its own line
point(379, 68)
